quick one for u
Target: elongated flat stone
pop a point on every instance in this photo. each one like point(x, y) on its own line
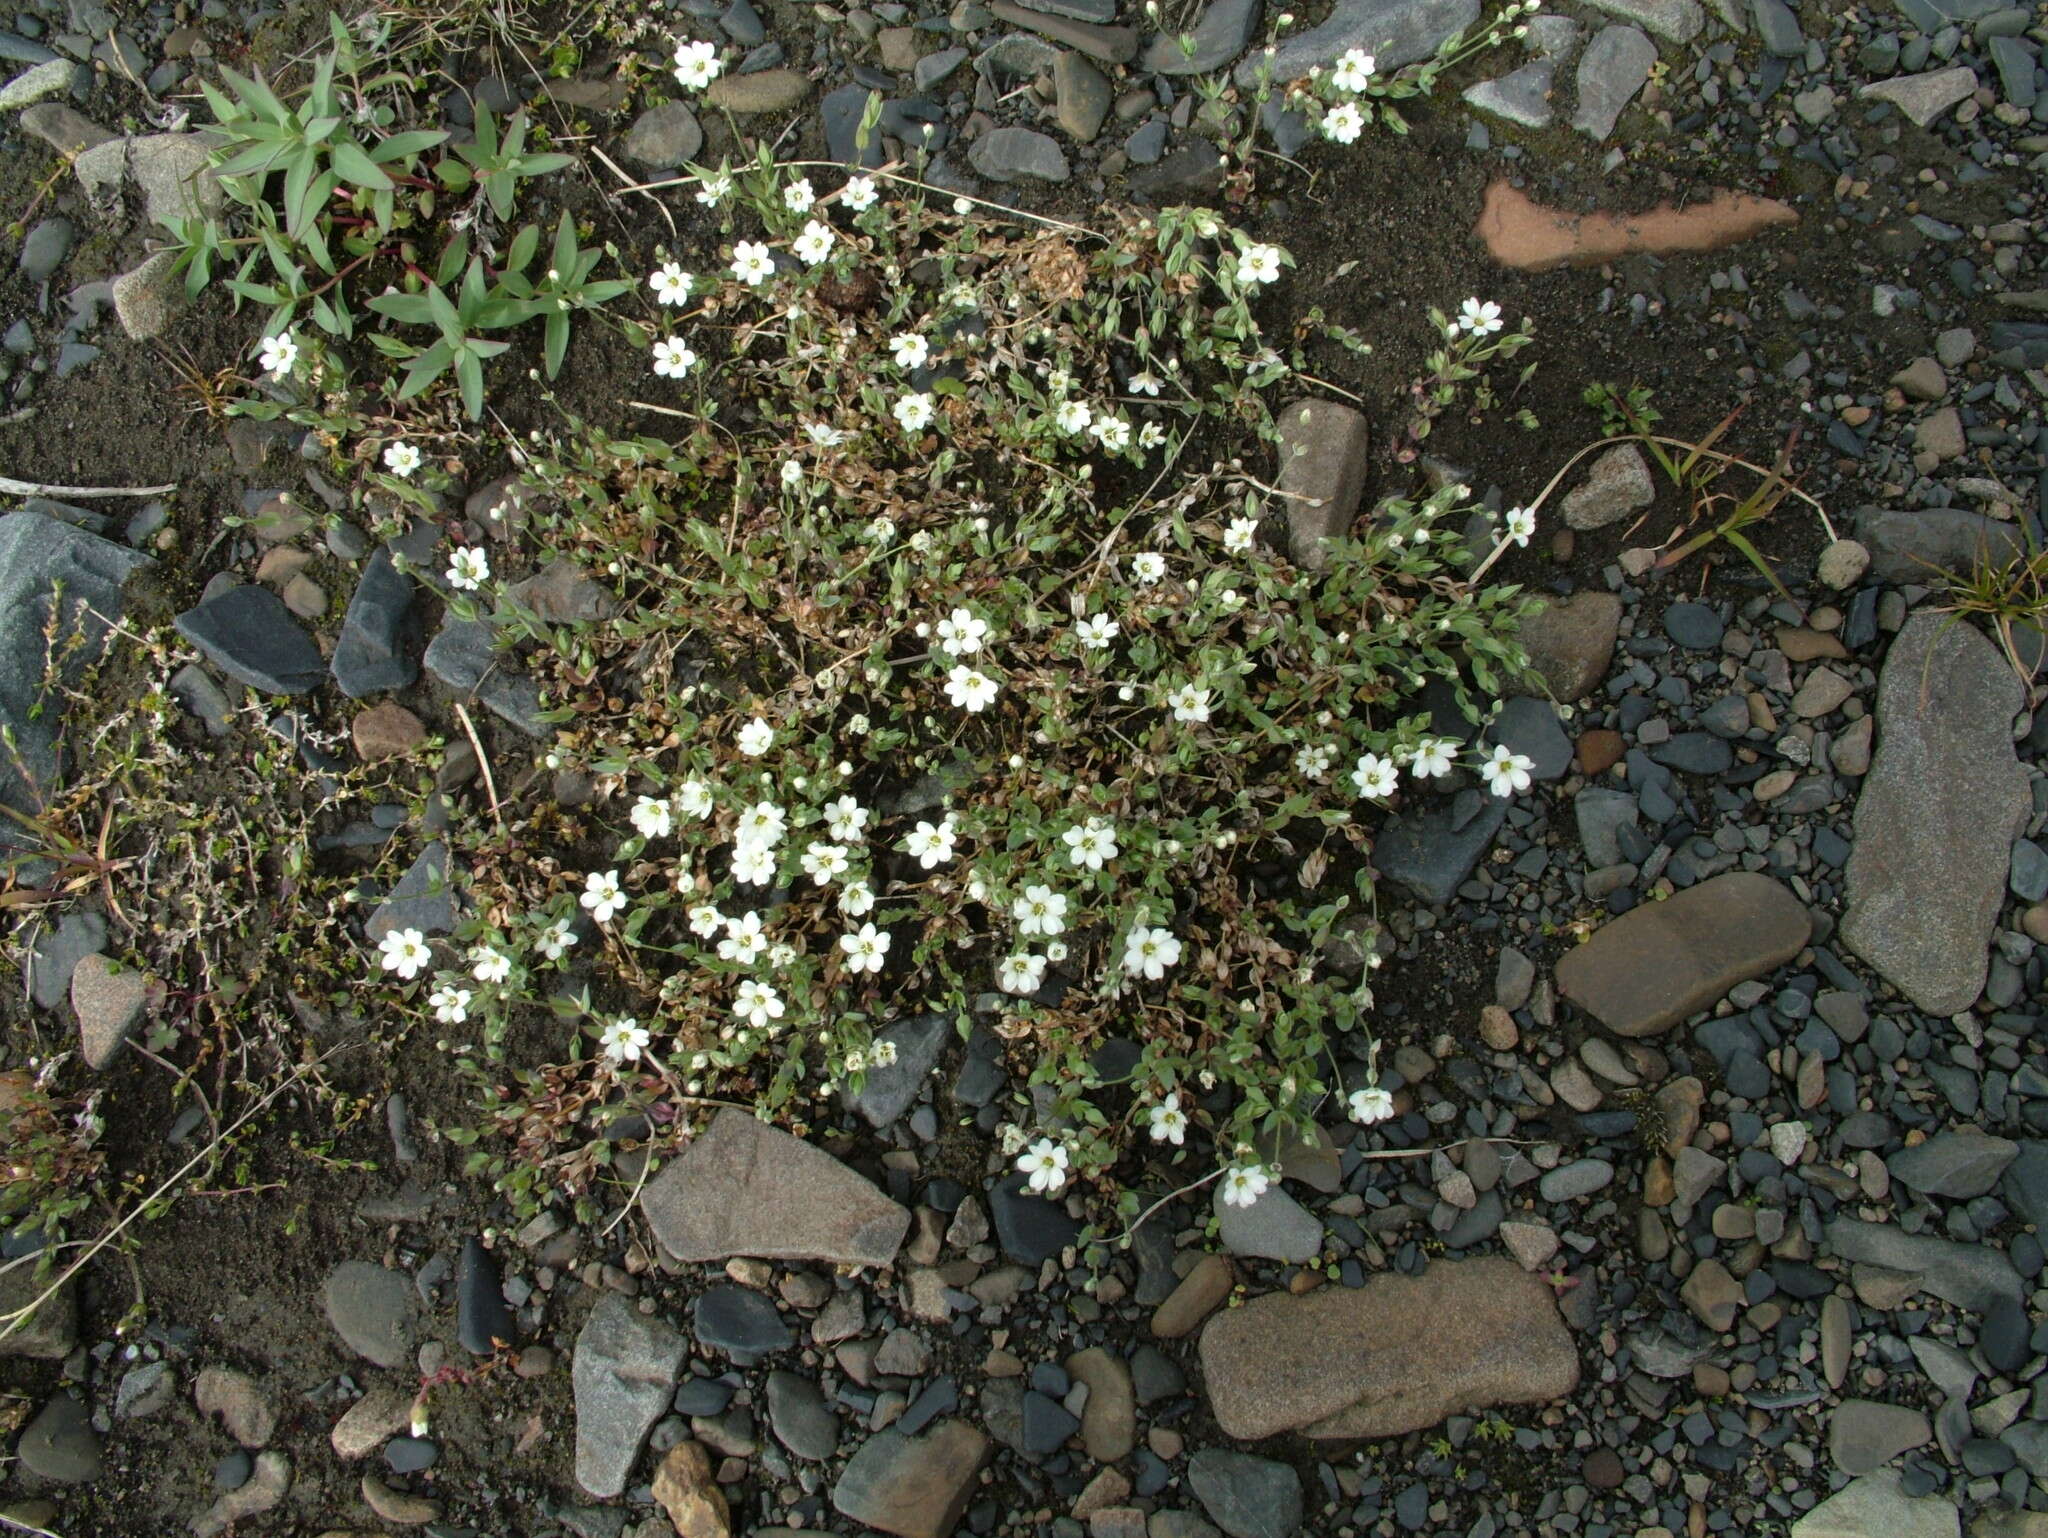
point(1395, 32)
point(1660, 963)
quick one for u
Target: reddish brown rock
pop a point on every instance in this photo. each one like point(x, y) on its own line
point(1523, 234)
point(1396, 1355)
point(387, 731)
point(1570, 641)
point(1600, 750)
point(914, 1487)
point(1658, 964)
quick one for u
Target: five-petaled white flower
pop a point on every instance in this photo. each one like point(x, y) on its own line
point(1375, 776)
point(488, 964)
point(858, 194)
point(673, 358)
point(1259, 264)
point(1149, 952)
point(1238, 538)
point(670, 283)
point(1147, 567)
point(815, 244)
point(1045, 1163)
point(1244, 1184)
point(1190, 703)
point(757, 1003)
point(798, 197)
point(856, 898)
point(912, 411)
point(279, 354)
point(449, 1004)
point(756, 738)
point(1371, 1104)
point(752, 263)
point(1021, 973)
point(761, 825)
point(652, 816)
point(693, 798)
point(404, 951)
point(1521, 523)
point(1481, 318)
point(1093, 844)
point(556, 939)
point(1071, 417)
point(401, 458)
point(845, 819)
point(469, 568)
point(865, 948)
point(910, 349)
point(1146, 383)
point(1312, 760)
point(1353, 72)
point(959, 633)
point(754, 864)
point(1113, 433)
point(1169, 1123)
point(623, 1039)
point(705, 921)
point(823, 862)
point(824, 434)
point(930, 843)
point(712, 190)
point(602, 895)
point(1506, 771)
point(744, 939)
point(1343, 123)
point(971, 691)
point(1432, 758)
point(697, 65)
point(1097, 631)
point(1040, 911)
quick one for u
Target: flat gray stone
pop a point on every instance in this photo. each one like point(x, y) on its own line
point(1939, 810)
point(424, 898)
point(1521, 97)
point(375, 650)
point(461, 658)
point(1676, 20)
point(1324, 452)
point(1432, 851)
point(50, 78)
point(372, 1309)
point(1903, 545)
point(1972, 1276)
point(1247, 1497)
point(1275, 1227)
point(1925, 97)
point(1618, 484)
point(1395, 32)
point(663, 137)
point(1225, 31)
point(1018, 155)
point(250, 635)
point(60, 1444)
point(914, 1487)
point(1864, 1435)
point(1611, 71)
point(57, 953)
point(623, 1371)
point(890, 1090)
point(49, 1334)
point(1958, 1165)
point(108, 1000)
point(1570, 642)
point(1877, 1506)
point(149, 297)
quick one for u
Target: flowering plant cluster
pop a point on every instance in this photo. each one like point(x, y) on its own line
point(962, 673)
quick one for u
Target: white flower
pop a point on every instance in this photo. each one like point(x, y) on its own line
point(1097, 631)
point(1169, 1123)
point(1148, 566)
point(1190, 704)
point(469, 568)
point(1093, 844)
point(1147, 383)
point(1375, 776)
point(705, 921)
point(1259, 264)
point(912, 411)
point(1149, 952)
point(856, 1061)
point(693, 798)
point(556, 939)
point(753, 864)
point(910, 349)
point(401, 458)
point(279, 354)
point(756, 738)
point(971, 691)
point(1343, 123)
point(488, 964)
point(930, 844)
point(1072, 417)
point(1521, 523)
point(651, 817)
point(1432, 758)
point(1481, 319)
point(601, 895)
point(865, 948)
point(1244, 1184)
point(744, 939)
point(1113, 433)
point(856, 899)
point(670, 283)
point(1353, 72)
point(1056, 951)
point(449, 1004)
point(404, 951)
point(1046, 1163)
point(757, 1003)
point(1021, 973)
point(713, 189)
point(1040, 911)
point(623, 1039)
point(884, 1053)
point(792, 473)
point(858, 194)
point(697, 65)
point(960, 633)
point(815, 244)
point(1151, 435)
point(761, 825)
point(1238, 538)
point(1312, 761)
point(798, 197)
point(1506, 771)
point(845, 819)
point(1370, 1105)
point(752, 263)
point(822, 862)
point(673, 358)
point(824, 434)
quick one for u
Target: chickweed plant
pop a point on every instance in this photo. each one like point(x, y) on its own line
point(953, 668)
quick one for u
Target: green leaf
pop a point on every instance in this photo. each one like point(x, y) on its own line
point(454, 175)
point(406, 309)
point(398, 146)
point(442, 310)
point(557, 342)
point(357, 168)
point(469, 374)
point(524, 244)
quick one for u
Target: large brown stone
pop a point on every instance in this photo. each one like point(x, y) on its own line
point(746, 1188)
point(1570, 641)
point(1324, 453)
point(1521, 233)
point(915, 1487)
point(1664, 961)
point(1393, 1356)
